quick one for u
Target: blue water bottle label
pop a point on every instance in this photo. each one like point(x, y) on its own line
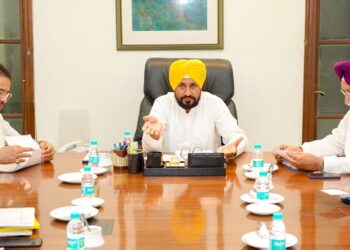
point(81, 243)
point(257, 163)
point(75, 244)
point(278, 244)
point(94, 159)
point(262, 195)
point(88, 190)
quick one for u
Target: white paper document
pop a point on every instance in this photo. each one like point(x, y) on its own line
point(16, 233)
point(17, 217)
point(334, 192)
point(23, 141)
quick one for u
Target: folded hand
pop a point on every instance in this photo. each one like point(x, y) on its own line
point(47, 151)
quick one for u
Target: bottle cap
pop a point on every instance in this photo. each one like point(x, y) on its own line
point(277, 216)
point(87, 168)
point(127, 133)
point(75, 215)
point(94, 142)
point(262, 173)
point(257, 146)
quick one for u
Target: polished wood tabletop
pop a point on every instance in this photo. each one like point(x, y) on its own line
point(181, 212)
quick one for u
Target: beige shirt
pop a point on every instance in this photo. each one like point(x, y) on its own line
point(202, 127)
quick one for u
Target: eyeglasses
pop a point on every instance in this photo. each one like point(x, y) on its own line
point(345, 93)
point(192, 87)
point(5, 95)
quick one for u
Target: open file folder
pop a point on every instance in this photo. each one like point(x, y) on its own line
point(17, 221)
point(24, 141)
point(17, 217)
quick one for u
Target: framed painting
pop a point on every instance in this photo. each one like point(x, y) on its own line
point(169, 24)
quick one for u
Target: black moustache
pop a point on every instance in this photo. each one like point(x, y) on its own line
point(191, 97)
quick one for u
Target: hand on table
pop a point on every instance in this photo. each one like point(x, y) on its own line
point(285, 147)
point(47, 151)
point(305, 161)
point(14, 154)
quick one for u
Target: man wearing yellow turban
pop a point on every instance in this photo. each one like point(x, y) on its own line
point(191, 118)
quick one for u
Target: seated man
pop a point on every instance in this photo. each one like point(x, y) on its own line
point(15, 154)
point(330, 154)
point(190, 118)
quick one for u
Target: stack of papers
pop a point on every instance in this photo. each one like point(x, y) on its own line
point(23, 141)
point(17, 221)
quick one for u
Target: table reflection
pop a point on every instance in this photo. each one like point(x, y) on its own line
point(188, 211)
point(17, 191)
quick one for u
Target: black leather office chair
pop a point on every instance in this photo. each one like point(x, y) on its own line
point(219, 81)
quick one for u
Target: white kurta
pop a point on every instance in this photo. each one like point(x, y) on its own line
point(5, 130)
point(335, 148)
point(201, 127)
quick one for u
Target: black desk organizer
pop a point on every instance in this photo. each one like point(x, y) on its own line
point(202, 165)
point(172, 171)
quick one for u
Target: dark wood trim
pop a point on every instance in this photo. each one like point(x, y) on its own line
point(310, 69)
point(13, 115)
point(333, 116)
point(26, 43)
point(345, 41)
point(10, 41)
point(27, 68)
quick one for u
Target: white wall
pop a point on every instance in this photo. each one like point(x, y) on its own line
point(77, 66)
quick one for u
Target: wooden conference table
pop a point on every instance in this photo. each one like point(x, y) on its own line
point(181, 212)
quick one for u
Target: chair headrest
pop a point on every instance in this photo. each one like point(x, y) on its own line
point(219, 79)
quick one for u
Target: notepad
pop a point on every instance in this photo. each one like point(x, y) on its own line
point(17, 217)
point(17, 233)
point(334, 192)
point(20, 229)
point(24, 141)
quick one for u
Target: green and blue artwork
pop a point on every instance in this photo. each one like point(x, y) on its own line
point(169, 15)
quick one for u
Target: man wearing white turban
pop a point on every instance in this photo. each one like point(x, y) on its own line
point(191, 118)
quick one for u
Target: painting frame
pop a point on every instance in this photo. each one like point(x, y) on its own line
point(126, 36)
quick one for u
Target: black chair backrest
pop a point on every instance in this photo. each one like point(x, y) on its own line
point(219, 81)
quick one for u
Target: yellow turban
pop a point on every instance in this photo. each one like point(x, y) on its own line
point(180, 69)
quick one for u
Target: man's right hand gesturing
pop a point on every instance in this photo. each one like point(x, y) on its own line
point(152, 126)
